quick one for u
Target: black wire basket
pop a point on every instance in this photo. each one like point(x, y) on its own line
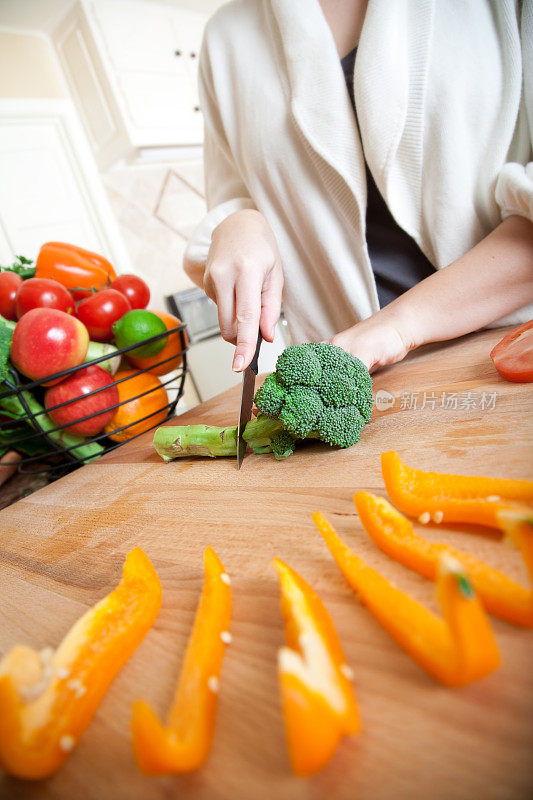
point(46, 447)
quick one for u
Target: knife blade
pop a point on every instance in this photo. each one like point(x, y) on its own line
point(247, 396)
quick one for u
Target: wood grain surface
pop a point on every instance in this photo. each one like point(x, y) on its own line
point(62, 549)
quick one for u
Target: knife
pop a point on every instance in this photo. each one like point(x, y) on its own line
point(247, 396)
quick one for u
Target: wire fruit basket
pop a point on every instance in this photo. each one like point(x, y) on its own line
point(47, 447)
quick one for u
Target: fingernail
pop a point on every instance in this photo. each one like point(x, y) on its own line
point(238, 363)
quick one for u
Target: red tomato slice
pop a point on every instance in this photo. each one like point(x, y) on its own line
point(513, 356)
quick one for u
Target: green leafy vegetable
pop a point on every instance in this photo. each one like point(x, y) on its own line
point(22, 266)
point(6, 334)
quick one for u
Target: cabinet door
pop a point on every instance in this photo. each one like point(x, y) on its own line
point(152, 50)
point(50, 187)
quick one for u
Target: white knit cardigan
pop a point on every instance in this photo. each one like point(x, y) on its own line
point(444, 95)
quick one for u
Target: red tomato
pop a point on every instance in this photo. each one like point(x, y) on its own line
point(513, 356)
point(43, 293)
point(99, 311)
point(134, 288)
point(9, 286)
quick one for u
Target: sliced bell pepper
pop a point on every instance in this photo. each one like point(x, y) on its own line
point(77, 269)
point(318, 700)
point(455, 650)
point(184, 743)
point(436, 497)
point(47, 699)
point(517, 524)
point(394, 534)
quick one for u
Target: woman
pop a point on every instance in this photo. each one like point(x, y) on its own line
point(346, 212)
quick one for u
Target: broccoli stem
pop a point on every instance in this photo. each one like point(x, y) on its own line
point(195, 440)
point(208, 440)
point(260, 431)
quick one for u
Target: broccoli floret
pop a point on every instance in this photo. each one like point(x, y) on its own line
point(327, 395)
point(333, 359)
point(283, 445)
point(270, 397)
point(299, 365)
point(318, 391)
point(345, 379)
point(340, 427)
point(300, 411)
point(339, 390)
point(364, 399)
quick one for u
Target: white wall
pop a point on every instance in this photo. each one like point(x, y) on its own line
point(28, 67)
point(43, 15)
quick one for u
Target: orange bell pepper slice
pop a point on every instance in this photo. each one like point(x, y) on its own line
point(455, 650)
point(436, 497)
point(318, 700)
point(394, 534)
point(184, 743)
point(517, 524)
point(47, 699)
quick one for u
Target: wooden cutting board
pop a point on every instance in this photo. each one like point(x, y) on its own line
point(63, 547)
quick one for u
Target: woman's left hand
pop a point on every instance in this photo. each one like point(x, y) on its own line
point(375, 341)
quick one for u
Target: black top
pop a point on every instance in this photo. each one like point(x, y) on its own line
point(397, 261)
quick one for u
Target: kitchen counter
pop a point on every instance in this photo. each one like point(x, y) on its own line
point(62, 549)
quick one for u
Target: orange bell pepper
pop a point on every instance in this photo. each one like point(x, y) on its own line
point(394, 534)
point(517, 524)
point(455, 650)
point(77, 269)
point(435, 497)
point(47, 699)
point(318, 700)
point(184, 743)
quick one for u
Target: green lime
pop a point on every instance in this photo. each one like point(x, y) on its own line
point(136, 326)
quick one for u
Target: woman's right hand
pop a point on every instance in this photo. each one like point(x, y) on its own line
point(243, 276)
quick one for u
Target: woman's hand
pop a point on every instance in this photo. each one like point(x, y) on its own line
point(376, 341)
point(243, 276)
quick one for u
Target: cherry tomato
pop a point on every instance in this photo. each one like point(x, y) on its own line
point(99, 311)
point(134, 288)
point(513, 355)
point(9, 285)
point(43, 293)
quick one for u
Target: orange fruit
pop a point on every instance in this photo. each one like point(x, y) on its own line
point(154, 403)
point(172, 348)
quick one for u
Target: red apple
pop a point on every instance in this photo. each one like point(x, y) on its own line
point(46, 341)
point(73, 390)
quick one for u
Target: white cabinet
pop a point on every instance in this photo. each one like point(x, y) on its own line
point(132, 69)
point(50, 187)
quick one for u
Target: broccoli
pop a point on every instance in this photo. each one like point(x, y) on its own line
point(318, 391)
